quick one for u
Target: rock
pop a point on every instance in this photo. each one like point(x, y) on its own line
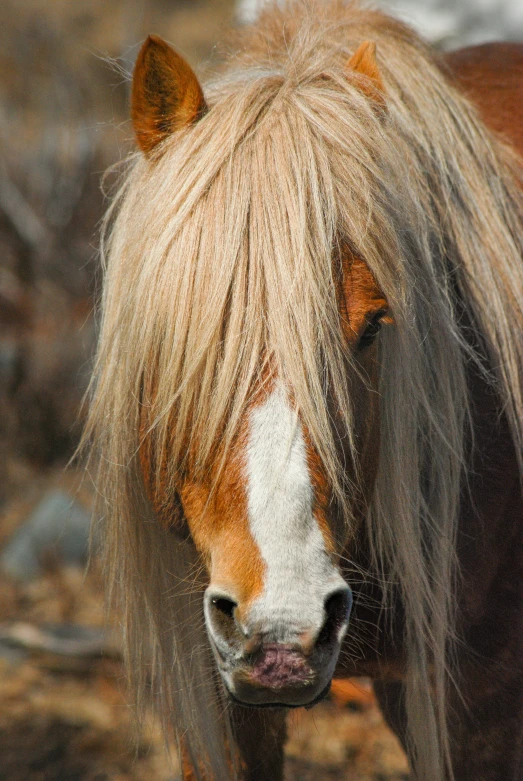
point(12, 655)
point(58, 527)
point(60, 639)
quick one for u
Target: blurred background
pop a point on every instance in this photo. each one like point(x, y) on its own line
point(63, 122)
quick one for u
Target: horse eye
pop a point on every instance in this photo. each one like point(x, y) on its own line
point(371, 331)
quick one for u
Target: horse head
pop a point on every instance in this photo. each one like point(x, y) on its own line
point(264, 516)
point(308, 311)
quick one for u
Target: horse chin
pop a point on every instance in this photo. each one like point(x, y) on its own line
point(279, 676)
point(265, 698)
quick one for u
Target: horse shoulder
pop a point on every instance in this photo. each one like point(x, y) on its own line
point(491, 75)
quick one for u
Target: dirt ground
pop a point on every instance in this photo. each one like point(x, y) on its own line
point(64, 717)
point(58, 724)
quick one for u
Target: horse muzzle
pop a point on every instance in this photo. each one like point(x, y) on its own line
point(279, 675)
point(278, 662)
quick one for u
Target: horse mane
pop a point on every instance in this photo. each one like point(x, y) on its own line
point(221, 255)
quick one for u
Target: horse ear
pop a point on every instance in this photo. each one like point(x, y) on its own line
point(166, 95)
point(363, 62)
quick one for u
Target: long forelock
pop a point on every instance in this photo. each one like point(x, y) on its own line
point(241, 250)
point(247, 276)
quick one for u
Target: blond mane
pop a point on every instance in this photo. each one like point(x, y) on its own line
point(220, 253)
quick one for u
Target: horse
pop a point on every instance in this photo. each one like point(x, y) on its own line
point(306, 406)
point(438, 23)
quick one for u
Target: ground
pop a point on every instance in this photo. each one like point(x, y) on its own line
point(63, 120)
point(65, 717)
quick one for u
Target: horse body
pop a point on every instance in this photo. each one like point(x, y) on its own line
point(487, 715)
point(310, 366)
point(486, 721)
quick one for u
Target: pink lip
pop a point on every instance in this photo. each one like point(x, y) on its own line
point(279, 666)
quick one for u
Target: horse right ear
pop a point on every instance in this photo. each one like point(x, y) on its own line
point(166, 95)
point(363, 63)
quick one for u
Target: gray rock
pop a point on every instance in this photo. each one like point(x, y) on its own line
point(11, 654)
point(58, 527)
point(61, 639)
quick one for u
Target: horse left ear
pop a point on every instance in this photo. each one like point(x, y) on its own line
point(363, 62)
point(166, 95)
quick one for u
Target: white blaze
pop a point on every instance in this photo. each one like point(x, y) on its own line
point(299, 573)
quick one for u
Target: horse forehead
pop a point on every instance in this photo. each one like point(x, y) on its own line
point(285, 476)
point(271, 450)
point(291, 538)
point(275, 436)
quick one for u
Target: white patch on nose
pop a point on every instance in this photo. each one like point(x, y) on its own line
point(299, 573)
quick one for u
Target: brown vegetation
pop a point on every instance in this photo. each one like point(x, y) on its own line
point(63, 121)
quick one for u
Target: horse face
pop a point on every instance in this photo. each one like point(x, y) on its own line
point(277, 607)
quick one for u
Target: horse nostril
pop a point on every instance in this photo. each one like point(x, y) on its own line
point(338, 605)
point(224, 605)
point(337, 610)
point(220, 614)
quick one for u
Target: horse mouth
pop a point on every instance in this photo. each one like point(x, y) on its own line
point(278, 676)
point(275, 700)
